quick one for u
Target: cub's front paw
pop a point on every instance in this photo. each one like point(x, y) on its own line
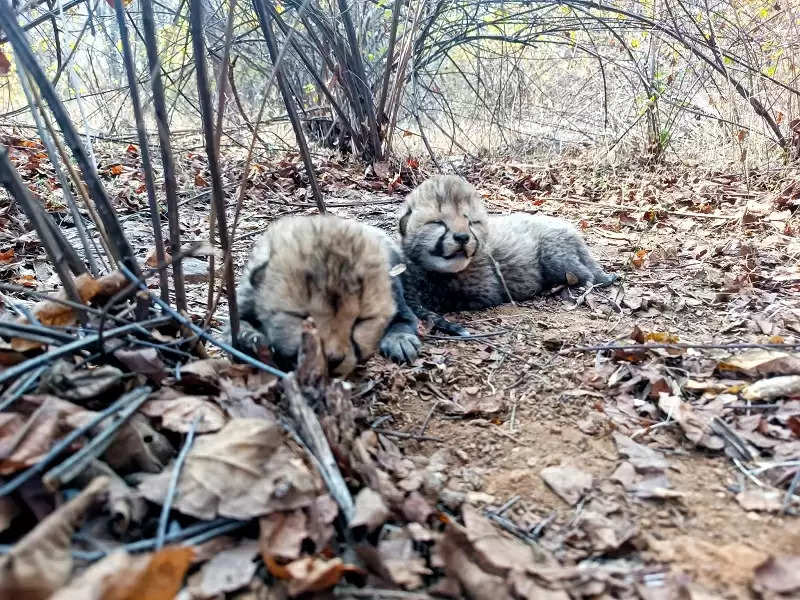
point(253, 342)
point(400, 346)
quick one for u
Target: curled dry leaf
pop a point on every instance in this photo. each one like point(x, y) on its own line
point(41, 562)
point(695, 425)
point(243, 471)
point(569, 483)
point(178, 414)
point(786, 386)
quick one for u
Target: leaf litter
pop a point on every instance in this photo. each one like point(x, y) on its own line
point(600, 457)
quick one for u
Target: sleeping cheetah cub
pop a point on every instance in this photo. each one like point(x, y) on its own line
point(336, 271)
point(449, 242)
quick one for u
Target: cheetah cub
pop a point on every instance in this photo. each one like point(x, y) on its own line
point(336, 271)
point(454, 250)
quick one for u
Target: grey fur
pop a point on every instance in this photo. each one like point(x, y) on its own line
point(533, 253)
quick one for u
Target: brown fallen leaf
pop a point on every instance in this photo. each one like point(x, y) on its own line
point(41, 562)
point(55, 314)
point(371, 511)
point(144, 361)
point(8, 511)
point(761, 362)
point(785, 386)
point(569, 483)
point(696, 425)
point(245, 470)
point(766, 500)
point(66, 381)
point(139, 447)
point(312, 574)
point(778, 574)
point(462, 565)
point(321, 515)
point(473, 404)
point(281, 535)
point(228, 571)
point(23, 445)
point(643, 458)
point(403, 563)
point(177, 414)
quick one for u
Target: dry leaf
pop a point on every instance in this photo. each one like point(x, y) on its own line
point(139, 447)
point(779, 574)
point(177, 414)
point(569, 483)
point(281, 535)
point(242, 471)
point(772, 388)
point(160, 580)
point(6, 256)
point(41, 562)
point(316, 574)
point(22, 446)
point(402, 562)
point(144, 361)
point(371, 511)
point(8, 511)
point(5, 64)
point(766, 500)
point(228, 571)
point(695, 424)
point(644, 459)
point(762, 362)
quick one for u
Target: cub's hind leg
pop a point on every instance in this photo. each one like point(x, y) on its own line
point(598, 276)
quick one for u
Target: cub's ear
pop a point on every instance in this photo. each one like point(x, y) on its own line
point(404, 221)
point(257, 274)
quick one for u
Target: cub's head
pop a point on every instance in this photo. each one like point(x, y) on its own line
point(327, 268)
point(443, 224)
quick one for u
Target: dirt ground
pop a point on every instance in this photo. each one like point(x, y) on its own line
point(717, 265)
point(704, 277)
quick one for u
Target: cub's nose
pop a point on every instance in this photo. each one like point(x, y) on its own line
point(335, 361)
point(461, 238)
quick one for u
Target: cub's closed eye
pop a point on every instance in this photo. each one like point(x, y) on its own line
point(476, 222)
point(297, 315)
point(442, 223)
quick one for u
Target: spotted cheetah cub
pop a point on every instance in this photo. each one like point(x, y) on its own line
point(450, 241)
point(336, 271)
